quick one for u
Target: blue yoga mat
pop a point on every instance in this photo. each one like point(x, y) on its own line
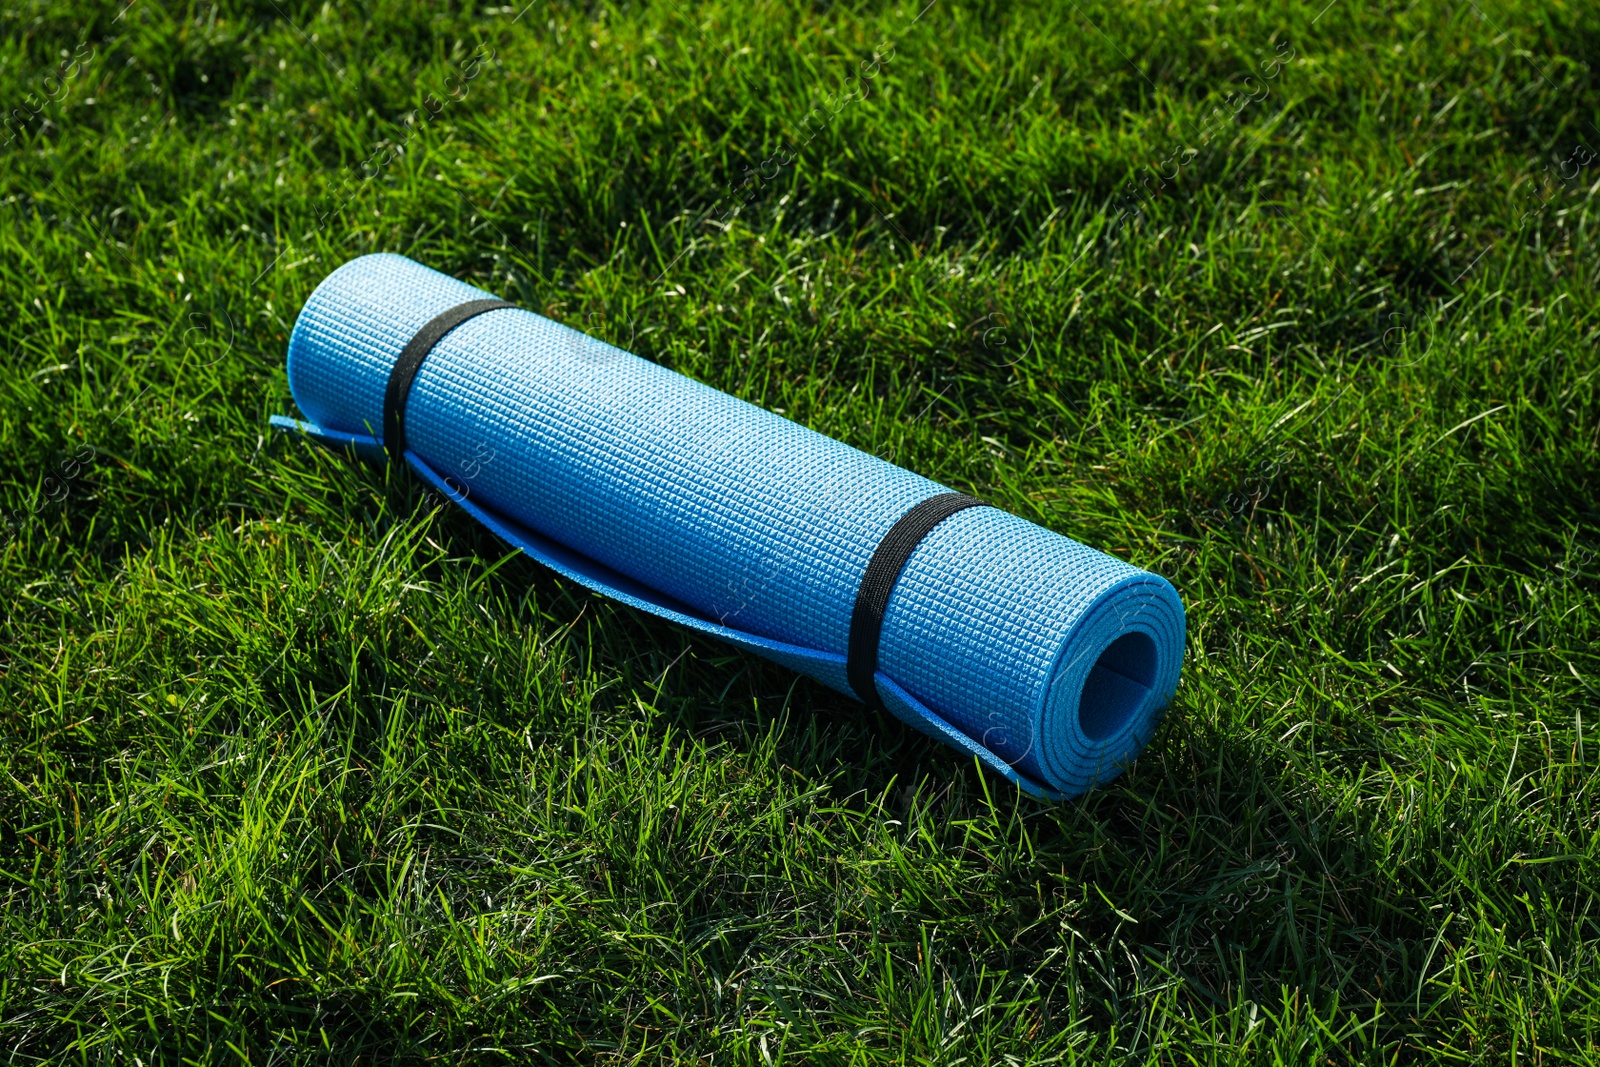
point(1048, 661)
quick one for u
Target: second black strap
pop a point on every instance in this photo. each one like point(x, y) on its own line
point(883, 571)
point(406, 366)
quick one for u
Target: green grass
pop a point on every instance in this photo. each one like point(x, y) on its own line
point(298, 766)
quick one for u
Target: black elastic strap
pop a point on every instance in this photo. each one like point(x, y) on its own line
point(883, 571)
point(410, 361)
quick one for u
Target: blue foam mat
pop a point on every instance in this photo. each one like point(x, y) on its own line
point(1046, 660)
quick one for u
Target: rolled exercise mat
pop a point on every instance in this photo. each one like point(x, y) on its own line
point(1048, 661)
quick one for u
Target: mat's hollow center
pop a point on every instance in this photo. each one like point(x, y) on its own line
point(1117, 686)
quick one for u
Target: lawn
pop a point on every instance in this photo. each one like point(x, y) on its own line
point(1294, 304)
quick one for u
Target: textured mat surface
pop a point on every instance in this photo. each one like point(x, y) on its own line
point(1046, 659)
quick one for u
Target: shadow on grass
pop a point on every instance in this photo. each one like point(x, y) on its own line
point(1216, 872)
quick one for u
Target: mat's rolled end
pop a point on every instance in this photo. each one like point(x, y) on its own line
point(1116, 676)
